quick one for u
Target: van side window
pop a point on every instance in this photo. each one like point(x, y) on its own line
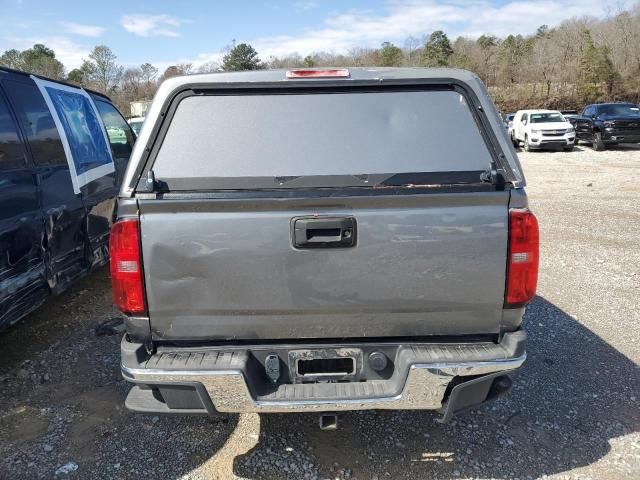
point(11, 150)
point(37, 124)
point(119, 132)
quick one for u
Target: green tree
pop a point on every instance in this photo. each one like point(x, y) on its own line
point(38, 59)
point(486, 42)
point(76, 76)
point(512, 56)
point(543, 31)
point(390, 55)
point(12, 59)
point(241, 57)
point(461, 60)
point(308, 61)
point(597, 70)
point(437, 50)
point(483, 61)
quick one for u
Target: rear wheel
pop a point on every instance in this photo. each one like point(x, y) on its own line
point(598, 144)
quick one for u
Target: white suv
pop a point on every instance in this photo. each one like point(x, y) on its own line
point(538, 129)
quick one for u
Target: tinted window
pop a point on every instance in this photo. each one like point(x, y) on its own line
point(37, 124)
point(619, 109)
point(11, 151)
point(588, 111)
point(120, 135)
point(266, 137)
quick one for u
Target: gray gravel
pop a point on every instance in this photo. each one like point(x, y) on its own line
point(573, 413)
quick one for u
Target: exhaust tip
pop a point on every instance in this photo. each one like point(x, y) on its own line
point(328, 421)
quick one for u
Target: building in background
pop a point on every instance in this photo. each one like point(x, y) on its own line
point(140, 108)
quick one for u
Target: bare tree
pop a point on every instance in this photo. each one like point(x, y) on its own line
point(101, 69)
point(411, 46)
point(148, 72)
point(209, 67)
point(290, 61)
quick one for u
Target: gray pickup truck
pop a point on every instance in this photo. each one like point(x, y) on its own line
point(322, 240)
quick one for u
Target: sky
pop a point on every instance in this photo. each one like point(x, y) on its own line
point(187, 31)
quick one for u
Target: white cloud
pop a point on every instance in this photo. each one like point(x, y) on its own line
point(151, 25)
point(403, 18)
point(68, 52)
point(83, 30)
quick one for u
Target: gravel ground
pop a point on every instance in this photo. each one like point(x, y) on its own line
point(573, 413)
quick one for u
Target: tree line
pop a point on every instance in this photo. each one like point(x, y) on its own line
point(582, 60)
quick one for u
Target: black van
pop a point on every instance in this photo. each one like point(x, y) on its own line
point(63, 152)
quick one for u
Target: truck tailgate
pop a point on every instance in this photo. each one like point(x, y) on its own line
point(423, 264)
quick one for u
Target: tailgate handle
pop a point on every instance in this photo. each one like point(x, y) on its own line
point(324, 232)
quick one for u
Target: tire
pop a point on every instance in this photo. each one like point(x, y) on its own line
point(527, 147)
point(516, 143)
point(598, 144)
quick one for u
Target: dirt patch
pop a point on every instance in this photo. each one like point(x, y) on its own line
point(22, 425)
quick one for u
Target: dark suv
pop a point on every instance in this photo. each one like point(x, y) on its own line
point(608, 124)
point(63, 151)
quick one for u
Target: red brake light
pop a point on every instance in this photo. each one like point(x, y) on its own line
point(126, 266)
point(315, 73)
point(522, 266)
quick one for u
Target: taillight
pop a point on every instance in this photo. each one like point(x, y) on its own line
point(126, 267)
point(522, 267)
point(318, 73)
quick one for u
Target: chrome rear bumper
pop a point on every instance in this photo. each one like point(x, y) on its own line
point(423, 376)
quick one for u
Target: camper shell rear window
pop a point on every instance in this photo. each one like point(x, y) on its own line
point(266, 140)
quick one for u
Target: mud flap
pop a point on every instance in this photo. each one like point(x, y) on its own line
point(471, 393)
